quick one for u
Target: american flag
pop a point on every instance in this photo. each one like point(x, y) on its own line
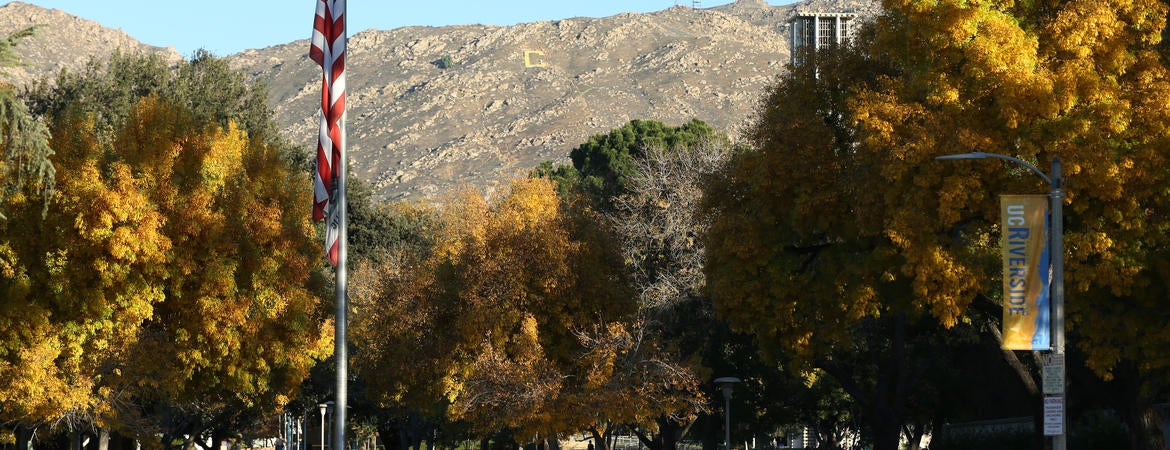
point(328, 50)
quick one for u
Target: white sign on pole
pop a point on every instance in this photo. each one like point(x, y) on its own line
point(1053, 415)
point(1053, 374)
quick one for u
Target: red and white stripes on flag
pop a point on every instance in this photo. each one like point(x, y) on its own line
point(328, 50)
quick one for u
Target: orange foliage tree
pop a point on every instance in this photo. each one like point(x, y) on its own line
point(495, 323)
point(239, 327)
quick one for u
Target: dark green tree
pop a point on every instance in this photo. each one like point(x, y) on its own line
point(607, 161)
point(565, 176)
point(377, 229)
point(105, 90)
point(208, 87)
point(205, 85)
point(8, 55)
point(24, 143)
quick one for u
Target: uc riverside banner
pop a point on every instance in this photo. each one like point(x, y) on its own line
point(1026, 272)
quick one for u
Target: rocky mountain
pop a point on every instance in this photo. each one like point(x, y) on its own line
point(435, 107)
point(63, 41)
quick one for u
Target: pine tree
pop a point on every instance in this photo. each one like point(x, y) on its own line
point(24, 142)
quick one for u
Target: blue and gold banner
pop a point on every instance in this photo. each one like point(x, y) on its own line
point(1027, 274)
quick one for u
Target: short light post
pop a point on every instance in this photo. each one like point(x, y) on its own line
point(322, 407)
point(1056, 201)
point(726, 384)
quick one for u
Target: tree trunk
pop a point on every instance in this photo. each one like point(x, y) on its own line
point(914, 435)
point(1027, 377)
point(884, 404)
point(710, 433)
point(667, 437)
point(507, 444)
point(103, 439)
point(1143, 422)
point(218, 436)
point(669, 433)
point(405, 440)
point(74, 439)
point(416, 431)
point(1165, 425)
point(388, 434)
point(599, 441)
point(886, 432)
point(118, 441)
point(23, 437)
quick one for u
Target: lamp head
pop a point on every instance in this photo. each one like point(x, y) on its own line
point(973, 155)
point(726, 384)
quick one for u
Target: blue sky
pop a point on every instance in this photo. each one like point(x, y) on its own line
point(225, 27)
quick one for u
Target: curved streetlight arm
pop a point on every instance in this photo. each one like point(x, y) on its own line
point(983, 155)
point(1056, 199)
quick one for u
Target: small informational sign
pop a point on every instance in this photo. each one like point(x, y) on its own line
point(1053, 415)
point(1053, 374)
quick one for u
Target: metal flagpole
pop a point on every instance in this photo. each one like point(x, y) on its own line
point(340, 343)
point(340, 350)
point(328, 48)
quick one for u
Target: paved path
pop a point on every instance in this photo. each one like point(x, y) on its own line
point(574, 444)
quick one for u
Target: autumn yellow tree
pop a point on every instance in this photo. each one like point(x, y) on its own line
point(171, 274)
point(238, 327)
point(79, 278)
point(843, 214)
point(1085, 82)
point(494, 314)
point(227, 325)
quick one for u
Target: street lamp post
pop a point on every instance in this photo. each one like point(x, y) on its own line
point(303, 430)
point(331, 426)
point(726, 384)
point(1056, 201)
point(322, 407)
